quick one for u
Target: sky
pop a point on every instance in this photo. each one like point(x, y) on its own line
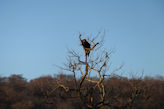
point(35, 34)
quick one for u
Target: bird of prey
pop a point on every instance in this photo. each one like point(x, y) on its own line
point(86, 46)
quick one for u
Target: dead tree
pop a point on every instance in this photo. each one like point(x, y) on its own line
point(90, 92)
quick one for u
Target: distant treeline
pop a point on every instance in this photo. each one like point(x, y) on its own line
point(43, 93)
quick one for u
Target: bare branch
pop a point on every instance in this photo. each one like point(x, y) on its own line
point(86, 65)
point(117, 69)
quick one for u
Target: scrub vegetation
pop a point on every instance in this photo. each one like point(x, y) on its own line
point(80, 90)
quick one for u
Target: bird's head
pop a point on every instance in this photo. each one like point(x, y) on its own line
point(84, 40)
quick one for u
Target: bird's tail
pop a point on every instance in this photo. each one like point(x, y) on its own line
point(87, 51)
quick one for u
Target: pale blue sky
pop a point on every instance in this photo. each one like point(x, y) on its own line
point(35, 34)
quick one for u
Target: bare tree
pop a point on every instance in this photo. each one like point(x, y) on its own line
point(91, 92)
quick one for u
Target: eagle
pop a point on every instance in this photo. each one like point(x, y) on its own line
point(86, 46)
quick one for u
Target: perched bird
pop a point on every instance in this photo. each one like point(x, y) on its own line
point(86, 46)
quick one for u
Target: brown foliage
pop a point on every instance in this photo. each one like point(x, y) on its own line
point(17, 93)
point(85, 92)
